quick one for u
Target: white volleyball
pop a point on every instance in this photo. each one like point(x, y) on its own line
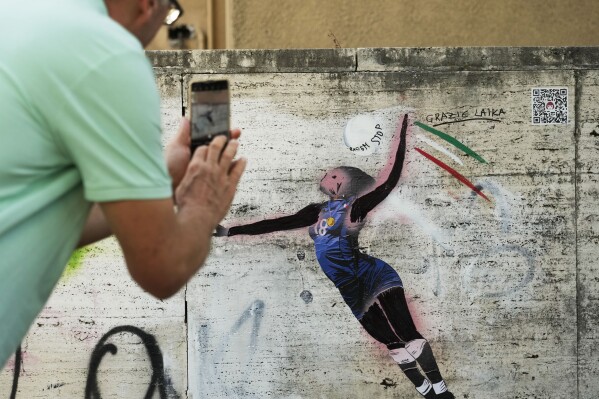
point(363, 135)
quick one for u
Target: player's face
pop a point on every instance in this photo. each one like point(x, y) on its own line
point(336, 183)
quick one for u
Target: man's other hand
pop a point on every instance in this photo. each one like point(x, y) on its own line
point(178, 153)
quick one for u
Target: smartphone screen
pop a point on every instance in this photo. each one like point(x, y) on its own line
point(209, 111)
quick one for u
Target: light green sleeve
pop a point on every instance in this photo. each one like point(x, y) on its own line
point(109, 127)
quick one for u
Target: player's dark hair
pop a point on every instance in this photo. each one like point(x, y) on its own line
point(360, 180)
point(355, 182)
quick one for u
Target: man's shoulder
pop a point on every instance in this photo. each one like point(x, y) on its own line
point(92, 31)
point(74, 34)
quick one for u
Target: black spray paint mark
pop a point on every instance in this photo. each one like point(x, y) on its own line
point(56, 386)
point(388, 383)
point(17, 373)
point(306, 296)
point(468, 120)
point(301, 255)
point(158, 380)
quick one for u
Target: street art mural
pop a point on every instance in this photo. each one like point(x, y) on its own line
point(370, 287)
point(438, 209)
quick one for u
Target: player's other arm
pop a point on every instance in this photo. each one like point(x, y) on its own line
point(164, 249)
point(369, 201)
point(303, 218)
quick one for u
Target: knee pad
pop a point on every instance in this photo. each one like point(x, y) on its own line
point(401, 356)
point(415, 347)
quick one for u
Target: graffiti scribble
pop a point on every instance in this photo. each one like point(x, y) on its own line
point(158, 380)
point(17, 373)
point(467, 120)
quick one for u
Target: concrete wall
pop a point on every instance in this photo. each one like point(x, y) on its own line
point(505, 290)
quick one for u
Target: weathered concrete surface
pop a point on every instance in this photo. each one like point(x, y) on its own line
point(505, 291)
point(477, 59)
point(493, 295)
point(253, 61)
point(588, 233)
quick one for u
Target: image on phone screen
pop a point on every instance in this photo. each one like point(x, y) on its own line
point(209, 111)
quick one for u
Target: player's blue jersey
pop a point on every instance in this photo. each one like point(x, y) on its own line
point(360, 278)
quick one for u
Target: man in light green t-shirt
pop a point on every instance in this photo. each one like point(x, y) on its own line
point(80, 155)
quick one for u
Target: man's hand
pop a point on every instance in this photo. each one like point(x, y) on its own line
point(210, 181)
point(178, 151)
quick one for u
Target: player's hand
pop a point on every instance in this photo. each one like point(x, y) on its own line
point(211, 179)
point(221, 231)
point(178, 153)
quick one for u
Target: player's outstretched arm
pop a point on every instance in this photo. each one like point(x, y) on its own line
point(163, 248)
point(304, 218)
point(369, 201)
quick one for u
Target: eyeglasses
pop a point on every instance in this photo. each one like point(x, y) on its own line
point(175, 11)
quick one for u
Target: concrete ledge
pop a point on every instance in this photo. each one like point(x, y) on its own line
point(255, 61)
point(477, 58)
point(376, 59)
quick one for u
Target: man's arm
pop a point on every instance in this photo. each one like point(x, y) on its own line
point(96, 228)
point(177, 156)
point(164, 249)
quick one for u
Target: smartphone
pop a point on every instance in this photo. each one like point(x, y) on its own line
point(209, 102)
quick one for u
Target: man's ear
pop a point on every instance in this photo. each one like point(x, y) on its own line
point(145, 8)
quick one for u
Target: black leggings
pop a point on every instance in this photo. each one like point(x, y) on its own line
point(389, 321)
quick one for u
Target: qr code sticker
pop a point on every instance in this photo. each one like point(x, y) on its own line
point(549, 105)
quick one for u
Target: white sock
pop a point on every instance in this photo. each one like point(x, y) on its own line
point(440, 387)
point(424, 388)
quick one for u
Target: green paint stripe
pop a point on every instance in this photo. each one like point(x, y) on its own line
point(451, 141)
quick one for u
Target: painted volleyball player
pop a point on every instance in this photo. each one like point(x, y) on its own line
point(369, 286)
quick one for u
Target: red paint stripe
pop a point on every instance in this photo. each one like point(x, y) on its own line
point(453, 172)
